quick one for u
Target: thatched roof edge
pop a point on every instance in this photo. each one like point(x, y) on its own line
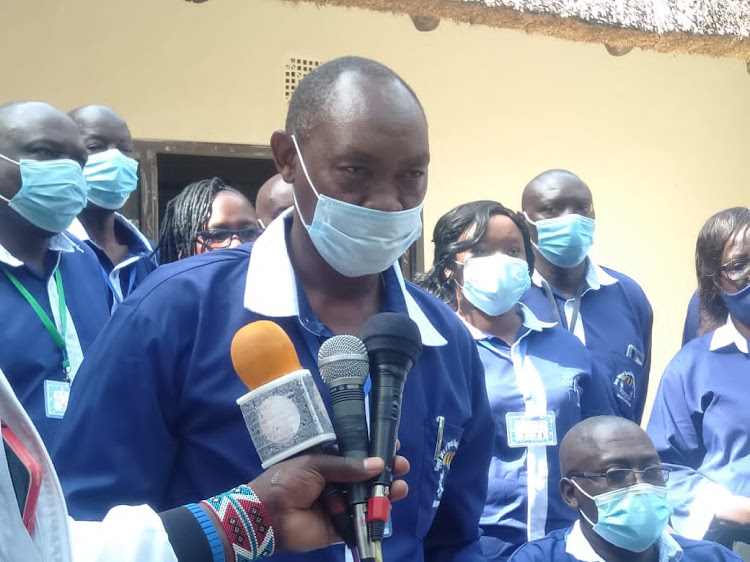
point(563, 28)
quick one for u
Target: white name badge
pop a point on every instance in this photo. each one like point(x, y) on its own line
point(525, 430)
point(56, 395)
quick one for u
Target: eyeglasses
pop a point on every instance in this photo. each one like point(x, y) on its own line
point(217, 238)
point(737, 270)
point(622, 477)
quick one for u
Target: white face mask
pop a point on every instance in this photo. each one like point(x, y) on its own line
point(354, 240)
point(494, 284)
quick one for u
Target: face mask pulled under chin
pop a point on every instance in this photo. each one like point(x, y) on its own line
point(632, 518)
point(52, 194)
point(354, 240)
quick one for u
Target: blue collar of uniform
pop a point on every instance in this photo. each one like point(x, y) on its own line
point(579, 548)
point(138, 244)
point(58, 243)
point(530, 322)
point(271, 287)
point(596, 277)
point(728, 335)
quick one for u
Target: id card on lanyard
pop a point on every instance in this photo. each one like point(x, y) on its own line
point(56, 393)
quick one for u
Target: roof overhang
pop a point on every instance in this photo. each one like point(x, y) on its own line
point(719, 28)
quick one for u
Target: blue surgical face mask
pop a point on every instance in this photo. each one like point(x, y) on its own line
point(494, 284)
point(111, 177)
point(739, 304)
point(52, 192)
point(564, 241)
point(632, 518)
point(354, 240)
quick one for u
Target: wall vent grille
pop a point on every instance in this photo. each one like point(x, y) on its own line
point(295, 70)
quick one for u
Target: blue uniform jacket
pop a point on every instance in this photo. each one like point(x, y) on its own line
point(124, 277)
point(563, 366)
point(699, 425)
point(552, 549)
point(28, 354)
point(617, 319)
point(153, 417)
point(692, 320)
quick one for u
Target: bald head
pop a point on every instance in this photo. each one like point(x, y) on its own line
point(274, 197)
point(331, 89)
point(102, 128)
point(38, 131)
point(595, 442)
point(554, 185)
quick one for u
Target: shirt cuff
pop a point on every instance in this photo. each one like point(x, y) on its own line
point(702, 509)
point(192, 534)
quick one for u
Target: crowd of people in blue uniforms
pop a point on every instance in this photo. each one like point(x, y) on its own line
point(525, 337)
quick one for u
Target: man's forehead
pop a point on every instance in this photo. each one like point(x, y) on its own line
point(620, 444)
point(356, 97)
point(35, 122)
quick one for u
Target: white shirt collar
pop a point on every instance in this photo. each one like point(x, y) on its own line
point(77, 230)
point(579, 548)
point(727, 335)
point(58, 243)
point(530, 321)
point(271, 287)
point(596, 277)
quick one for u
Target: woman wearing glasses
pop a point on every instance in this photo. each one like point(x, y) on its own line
point(700, 421)
point(538, 375)
point(207, 215)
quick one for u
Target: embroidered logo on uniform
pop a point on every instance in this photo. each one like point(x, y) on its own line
point(443, 465)
point(625, 383)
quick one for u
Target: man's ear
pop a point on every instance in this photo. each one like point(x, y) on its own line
point(284, 155)
point(568, 493)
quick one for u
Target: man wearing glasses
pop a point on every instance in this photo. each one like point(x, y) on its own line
point(613, 477)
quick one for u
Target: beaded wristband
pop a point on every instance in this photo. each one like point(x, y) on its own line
point(246, 523)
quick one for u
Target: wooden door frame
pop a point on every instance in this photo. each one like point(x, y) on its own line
point(146, 152)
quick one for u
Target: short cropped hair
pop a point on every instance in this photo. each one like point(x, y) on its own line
point(313, 99)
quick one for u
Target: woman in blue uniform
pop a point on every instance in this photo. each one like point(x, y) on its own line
point(538, 375)
point(700, 421)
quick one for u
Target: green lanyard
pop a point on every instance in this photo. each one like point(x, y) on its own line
point(44, 317)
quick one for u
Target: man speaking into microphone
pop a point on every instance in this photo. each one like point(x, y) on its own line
point(153, 416)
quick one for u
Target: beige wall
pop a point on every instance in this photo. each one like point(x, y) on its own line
point(661, 140)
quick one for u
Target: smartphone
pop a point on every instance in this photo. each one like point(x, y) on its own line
point(25, 474)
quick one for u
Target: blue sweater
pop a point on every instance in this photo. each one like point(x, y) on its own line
point(552, 549)
point(153, 416)
point(28, 354)
point(617, 321)
point(700, 425)
point(564, 367)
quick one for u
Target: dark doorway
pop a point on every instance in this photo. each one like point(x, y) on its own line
point(168, 166)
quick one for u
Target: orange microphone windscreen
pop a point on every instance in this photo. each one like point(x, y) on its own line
point(262, 352)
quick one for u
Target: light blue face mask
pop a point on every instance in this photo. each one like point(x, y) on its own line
point(354, 240)
point(52, 192)
point(631, 518)
point(494, 284)
point(111, 177)
point(564, 241)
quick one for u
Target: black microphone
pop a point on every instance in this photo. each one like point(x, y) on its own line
point(393, 345)
point(343, 365)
